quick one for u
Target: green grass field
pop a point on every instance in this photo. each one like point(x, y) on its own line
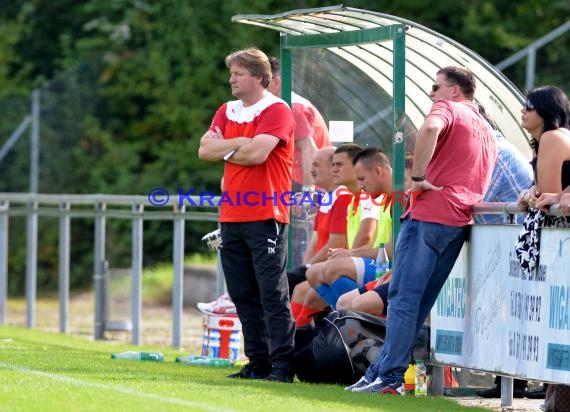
point(42, 371)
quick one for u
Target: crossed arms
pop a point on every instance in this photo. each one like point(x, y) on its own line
point(248, 151)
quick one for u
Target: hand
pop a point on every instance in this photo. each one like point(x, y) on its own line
point(527, 198)
point(418, 188)
point(386, 277)
point(565, 203)
point(338, 252)
point(522, 201)
point(545, 200)
point(217, 134)
point(423, 186)
point(532, 197)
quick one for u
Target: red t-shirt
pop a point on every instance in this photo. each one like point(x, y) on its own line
point(462, 163)
point(253, 193)
point(309, 123)
point(331, 218)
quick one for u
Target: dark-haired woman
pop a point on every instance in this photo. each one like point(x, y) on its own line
point(546, 116)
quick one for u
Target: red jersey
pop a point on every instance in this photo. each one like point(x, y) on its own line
point(462, 163)
point(309, 123)
point(331, 217)
point(253, 193)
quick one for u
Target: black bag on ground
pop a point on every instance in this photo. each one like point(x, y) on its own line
point(341, 346)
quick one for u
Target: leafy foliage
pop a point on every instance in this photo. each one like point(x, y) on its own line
point(129, 86)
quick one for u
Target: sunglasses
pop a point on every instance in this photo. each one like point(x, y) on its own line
point(529, 107)
point(435, 87)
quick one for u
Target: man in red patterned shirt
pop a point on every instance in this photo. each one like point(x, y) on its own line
point(254, 136)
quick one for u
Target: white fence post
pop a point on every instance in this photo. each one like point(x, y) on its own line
point(64, 241)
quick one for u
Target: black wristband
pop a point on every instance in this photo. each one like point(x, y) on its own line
point(418, 178)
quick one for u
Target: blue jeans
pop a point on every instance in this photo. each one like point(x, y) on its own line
point(426, 253)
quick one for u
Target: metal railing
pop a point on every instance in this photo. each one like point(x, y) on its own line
point(32, 206)
point(529, 52)
point(508, 209)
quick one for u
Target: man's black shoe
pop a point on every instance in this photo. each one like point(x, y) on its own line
point(249, 372)
point(537, 393)
point(279, 375)
point(495, 392)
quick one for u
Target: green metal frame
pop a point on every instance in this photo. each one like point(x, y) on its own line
point(397, 34)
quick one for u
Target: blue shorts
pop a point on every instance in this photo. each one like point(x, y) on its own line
point(365, 270)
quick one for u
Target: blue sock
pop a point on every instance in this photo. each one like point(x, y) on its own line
point(343, 285)
point(328, 295)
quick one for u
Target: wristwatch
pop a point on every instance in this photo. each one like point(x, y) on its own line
point(418, 178)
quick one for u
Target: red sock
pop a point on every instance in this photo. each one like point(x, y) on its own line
point(296, 308)
point(304, 316)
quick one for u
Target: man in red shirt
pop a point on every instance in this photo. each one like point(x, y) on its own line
point(254, 136)
point(453, 161)
point(330, 221)
point(311, 134)
point(329, 229)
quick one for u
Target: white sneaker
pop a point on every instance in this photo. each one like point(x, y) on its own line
point(371, 387)
point(361, 383)
point(221, 306)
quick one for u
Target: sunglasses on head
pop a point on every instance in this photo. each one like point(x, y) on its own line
point(435, 87)
point(528, 106)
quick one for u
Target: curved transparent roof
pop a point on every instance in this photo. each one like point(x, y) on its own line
point(426, 52)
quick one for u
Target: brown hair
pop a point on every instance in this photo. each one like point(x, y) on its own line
point(254, 60)
point(275, 65)
point(462, 77)
point(371, 157)
point(351, 149)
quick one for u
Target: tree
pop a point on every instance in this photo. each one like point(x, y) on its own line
point(129, 86)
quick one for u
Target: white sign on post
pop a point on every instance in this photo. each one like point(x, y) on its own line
point(341, 131)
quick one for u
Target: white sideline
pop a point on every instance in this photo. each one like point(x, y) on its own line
point(116, 388)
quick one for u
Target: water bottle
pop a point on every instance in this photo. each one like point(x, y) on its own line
point(187, 359)
point(421, 378)
point(205, 361)
point(219, 363)
point(382, 262)
point(142, 356)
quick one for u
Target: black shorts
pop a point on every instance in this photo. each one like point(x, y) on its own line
point(382, 291)
point(296, 276)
